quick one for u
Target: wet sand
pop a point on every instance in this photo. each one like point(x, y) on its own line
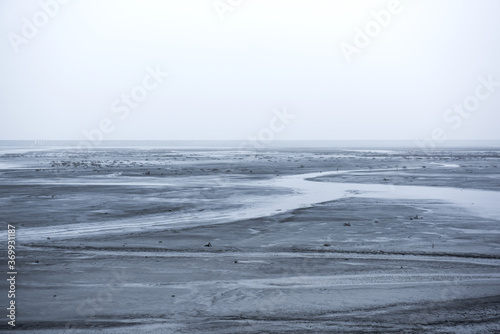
point(114, 241)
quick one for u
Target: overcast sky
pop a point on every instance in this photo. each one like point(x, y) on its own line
point(70, 70)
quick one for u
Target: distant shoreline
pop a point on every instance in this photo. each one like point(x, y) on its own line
point(340, 144)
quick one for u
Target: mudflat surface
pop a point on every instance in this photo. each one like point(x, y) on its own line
point(301, 241)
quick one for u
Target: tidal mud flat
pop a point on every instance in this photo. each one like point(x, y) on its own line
point(121, 240)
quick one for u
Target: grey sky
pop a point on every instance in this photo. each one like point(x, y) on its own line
point(226, 76)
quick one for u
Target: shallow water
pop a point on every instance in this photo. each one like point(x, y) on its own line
point(483, 203)
point(306, 193)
